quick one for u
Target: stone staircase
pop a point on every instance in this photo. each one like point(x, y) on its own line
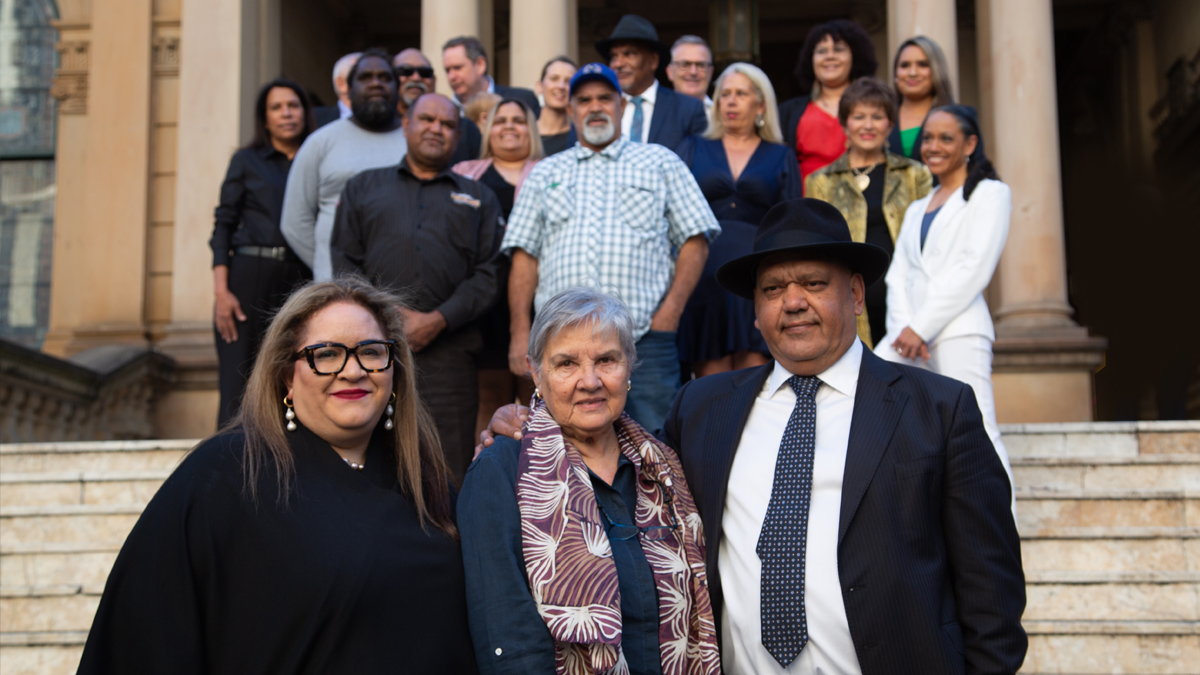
point(1109, 516)
point(1109, 519)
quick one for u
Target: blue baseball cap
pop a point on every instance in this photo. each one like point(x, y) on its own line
point(592, 72)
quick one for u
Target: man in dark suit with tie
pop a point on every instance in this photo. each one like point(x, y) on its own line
point(466, 64)
point(856, 515)
point(653, 113)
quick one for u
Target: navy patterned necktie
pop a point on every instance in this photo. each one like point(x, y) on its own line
point(635, 129)
point(781, 543)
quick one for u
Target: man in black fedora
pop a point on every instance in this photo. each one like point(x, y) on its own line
point(856, 515)
point(653, 113)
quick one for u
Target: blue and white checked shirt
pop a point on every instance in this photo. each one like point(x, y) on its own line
point(613, 220)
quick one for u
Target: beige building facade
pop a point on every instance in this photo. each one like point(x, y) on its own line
point(155, 95)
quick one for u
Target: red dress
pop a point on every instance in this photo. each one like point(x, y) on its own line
point(819, 140)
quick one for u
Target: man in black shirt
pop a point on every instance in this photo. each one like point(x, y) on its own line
point(422, 228)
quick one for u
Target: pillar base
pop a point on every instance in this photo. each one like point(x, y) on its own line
point(191, 345)
point(1044, 373)
point(67, 342)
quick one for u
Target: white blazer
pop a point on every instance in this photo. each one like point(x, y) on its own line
point(938, 292)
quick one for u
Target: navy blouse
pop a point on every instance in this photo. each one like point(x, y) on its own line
point(771, 176)
point(509, 634)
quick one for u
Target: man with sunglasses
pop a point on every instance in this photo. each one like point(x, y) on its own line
point(421, 227)
point(416, 78)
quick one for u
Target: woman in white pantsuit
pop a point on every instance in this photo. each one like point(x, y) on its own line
point(946, 252)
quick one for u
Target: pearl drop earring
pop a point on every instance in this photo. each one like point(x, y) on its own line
point(289, 414)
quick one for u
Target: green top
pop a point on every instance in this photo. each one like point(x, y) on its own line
point(908, 138)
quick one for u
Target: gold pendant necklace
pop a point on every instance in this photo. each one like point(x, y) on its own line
point(861, 177)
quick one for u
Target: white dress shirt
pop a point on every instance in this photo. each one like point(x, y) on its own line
point(830, 649)
point(649, 97)
point(344, 111)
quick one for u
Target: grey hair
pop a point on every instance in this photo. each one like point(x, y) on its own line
point(471, 45)
point(691, 40)
point(343, 66)
point(575, 307)
point(770, 130)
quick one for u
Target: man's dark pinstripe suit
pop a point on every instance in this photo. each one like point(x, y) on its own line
point(928, 554)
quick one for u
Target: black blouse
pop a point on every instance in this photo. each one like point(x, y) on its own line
point(878, 234)
point(251, 202)
point(341, 579)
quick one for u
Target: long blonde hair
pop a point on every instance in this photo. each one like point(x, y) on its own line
point(939, 70)
point(770, 130)
point(536, 149)
point(420, 465)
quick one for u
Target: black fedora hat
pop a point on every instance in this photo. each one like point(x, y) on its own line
point(806, 228)
point(634, 27)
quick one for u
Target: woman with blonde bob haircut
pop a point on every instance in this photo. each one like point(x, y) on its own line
point(315, 532)
point(743, 170)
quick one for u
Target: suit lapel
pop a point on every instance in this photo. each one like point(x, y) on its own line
point(663, 102)
point(877, 408)
point(941, 221)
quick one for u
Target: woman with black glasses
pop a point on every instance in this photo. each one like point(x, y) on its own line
point(582, 545)
point(316, 534)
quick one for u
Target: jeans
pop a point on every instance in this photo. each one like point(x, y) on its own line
point(655, 380)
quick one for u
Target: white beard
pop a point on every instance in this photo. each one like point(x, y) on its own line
point(603, 134)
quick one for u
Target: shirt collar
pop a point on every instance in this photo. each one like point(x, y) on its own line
point(842, 375)
point(649, 96)
point(611, 151)
point(404, 168)
point(268, 150)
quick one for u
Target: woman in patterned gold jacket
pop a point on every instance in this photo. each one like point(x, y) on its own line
point(870, 185)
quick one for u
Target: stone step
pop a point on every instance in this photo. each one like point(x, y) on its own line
point(56, 564)
point(1113, 596)
point(30, 609)
point(97, 456)
point(1107, 508)
point(1136, 648)
point(66, 523)
point(1101, 549)
point(1144, 472)
point(41, 653)
point(1101, 439)
point(76, 487)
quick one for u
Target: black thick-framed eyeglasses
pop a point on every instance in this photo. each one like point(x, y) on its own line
point(622, 532)
point(407, 71)
point(330, 358)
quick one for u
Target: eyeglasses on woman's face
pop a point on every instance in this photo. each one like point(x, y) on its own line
point(330, 358)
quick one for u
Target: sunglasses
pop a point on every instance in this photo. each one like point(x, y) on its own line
point(407, 71)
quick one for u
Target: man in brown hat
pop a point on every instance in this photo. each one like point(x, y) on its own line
point(856, 515)
point(653, 113)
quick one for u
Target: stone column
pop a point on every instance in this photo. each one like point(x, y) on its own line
point(540, 30)
point(219, 76)
point(442, 20)
point(1044, 360)
point(932, 18)
point(110, 243)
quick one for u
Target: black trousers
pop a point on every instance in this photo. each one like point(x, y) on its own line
point(260, 285)
point(447, 382)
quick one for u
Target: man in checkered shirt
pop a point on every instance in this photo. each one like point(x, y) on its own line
point(625, 217)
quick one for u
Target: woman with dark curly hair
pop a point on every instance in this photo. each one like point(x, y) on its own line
point(834, 54)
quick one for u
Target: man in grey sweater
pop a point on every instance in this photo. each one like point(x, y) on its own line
point(335, 153)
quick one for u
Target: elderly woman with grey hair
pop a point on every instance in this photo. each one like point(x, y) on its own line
point(582, 546)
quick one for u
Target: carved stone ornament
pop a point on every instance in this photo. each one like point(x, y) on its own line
point(70, 83)
point(166, 54)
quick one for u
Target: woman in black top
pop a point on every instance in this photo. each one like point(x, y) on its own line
point(253, 268)
point(316, 534)
point(511, 148)
point(554, 123)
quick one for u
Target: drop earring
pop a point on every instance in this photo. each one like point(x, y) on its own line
point(289, 414)
point(389, 424)
point(758, 121)
point(629, 387)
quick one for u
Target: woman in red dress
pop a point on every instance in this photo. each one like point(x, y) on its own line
point(834, 55)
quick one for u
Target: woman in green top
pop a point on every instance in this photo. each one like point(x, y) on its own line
point(922, 81)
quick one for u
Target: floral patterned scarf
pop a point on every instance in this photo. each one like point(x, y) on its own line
point(569, 564)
